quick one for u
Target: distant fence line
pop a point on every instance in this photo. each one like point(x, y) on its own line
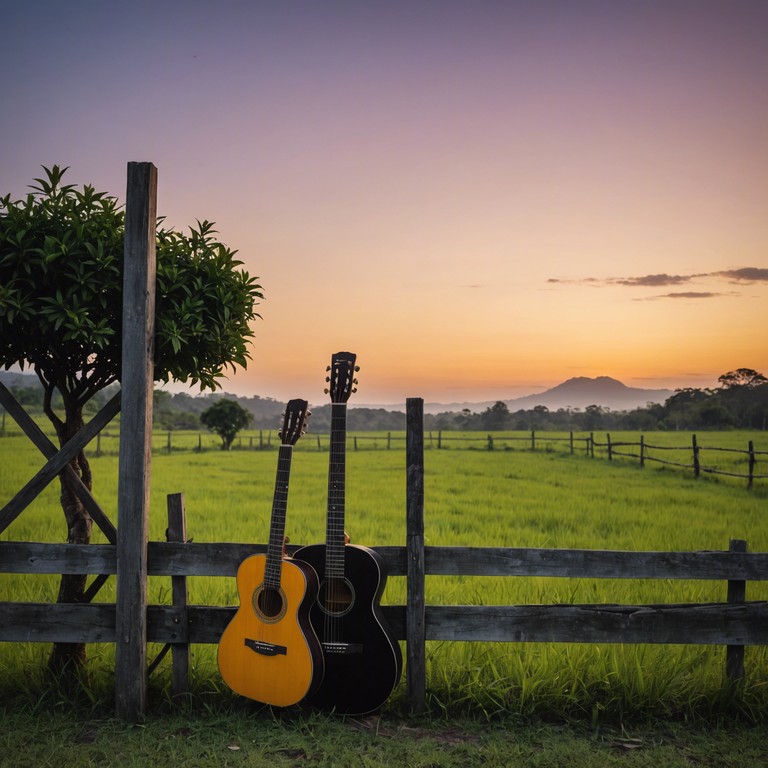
point(744, 464)
point(589, 445)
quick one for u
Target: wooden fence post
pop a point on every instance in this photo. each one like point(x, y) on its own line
point(696, 465)
point(416, 671)
point(592, 444)
point(571, 442)
point(439, 439)
point(177, 531)
point(533, 440)
point(490, 442)
point(610, 447)
point(751, 463)
point(135, 441)
point(642, 451)
point(737, 593)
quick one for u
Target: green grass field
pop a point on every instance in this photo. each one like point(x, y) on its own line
point(473, 496)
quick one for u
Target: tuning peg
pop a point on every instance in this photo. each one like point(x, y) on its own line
point(309, 413)
point(354, 389)
point(326, 390)
point(327, 378)
point(327, 367)
point(357, 368)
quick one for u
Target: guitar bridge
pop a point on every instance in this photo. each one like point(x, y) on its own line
point(342, 649)
point(265, 649)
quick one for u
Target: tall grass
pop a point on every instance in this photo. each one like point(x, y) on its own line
point(472, 497)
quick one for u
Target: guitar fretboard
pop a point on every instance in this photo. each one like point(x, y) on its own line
point(272, 568)
point(334, 535)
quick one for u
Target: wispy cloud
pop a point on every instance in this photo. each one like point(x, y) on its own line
point(653, 280)
point(744, 275)
point(741, 276)
point(684, 295)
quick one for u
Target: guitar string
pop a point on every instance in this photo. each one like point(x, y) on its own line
point(274, 561)
point(335, 534)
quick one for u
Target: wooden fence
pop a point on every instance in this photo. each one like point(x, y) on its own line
point(735, 622)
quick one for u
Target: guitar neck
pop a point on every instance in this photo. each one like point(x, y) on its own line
point(334, 535)
point(273, 566)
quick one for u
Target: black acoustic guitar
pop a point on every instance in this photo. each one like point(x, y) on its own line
point(363, 662)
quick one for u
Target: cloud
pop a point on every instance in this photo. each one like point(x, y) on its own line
point(652, 280)
point(744, 275)
point(741, 276)
point(684, 295)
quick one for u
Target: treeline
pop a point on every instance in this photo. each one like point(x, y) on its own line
point(740, 402)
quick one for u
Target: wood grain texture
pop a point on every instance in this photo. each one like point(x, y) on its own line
point(416, 596)
point(137, 379)
point(689, 623)
point(222, 559)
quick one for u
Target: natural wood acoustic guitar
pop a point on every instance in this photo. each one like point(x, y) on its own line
point(269, 651)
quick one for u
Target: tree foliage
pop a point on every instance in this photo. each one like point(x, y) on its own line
point(226, 418)
point(61, 268)
point(61, 274)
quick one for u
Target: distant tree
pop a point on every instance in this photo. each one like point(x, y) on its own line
point(742, 377)
point(226, 418)
point(593, 417)
point(744, 394)
point(61, 288)
point(495, 416)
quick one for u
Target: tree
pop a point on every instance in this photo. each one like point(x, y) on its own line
point(742, 377)
point(61, 269)
point(495, 416)
point(226, 418)
point(744, 394)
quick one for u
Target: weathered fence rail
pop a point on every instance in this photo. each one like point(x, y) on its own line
point(735, 624)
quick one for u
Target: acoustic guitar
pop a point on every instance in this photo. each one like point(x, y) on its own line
point(269, 651)
point(363, 661)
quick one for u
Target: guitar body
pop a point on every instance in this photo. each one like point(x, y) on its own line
point(363, 661)
point(269, 651)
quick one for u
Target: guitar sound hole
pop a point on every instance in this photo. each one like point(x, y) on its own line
point(336, 596)
point(269, 603)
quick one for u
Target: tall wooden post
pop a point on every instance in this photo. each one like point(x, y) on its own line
point(136, 379)
point(415, 629)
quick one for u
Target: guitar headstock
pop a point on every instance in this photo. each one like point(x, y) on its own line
point(341, 376)
point(294, 421)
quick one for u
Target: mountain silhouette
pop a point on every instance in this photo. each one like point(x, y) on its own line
point(578, 392)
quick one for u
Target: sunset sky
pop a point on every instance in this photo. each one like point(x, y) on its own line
point(480, 199)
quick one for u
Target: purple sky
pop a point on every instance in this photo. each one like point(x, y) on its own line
point(479, 198)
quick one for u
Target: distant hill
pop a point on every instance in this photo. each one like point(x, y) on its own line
point(582, 391)
point(578, 392)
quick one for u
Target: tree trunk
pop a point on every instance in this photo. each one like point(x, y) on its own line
point(69, 658)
